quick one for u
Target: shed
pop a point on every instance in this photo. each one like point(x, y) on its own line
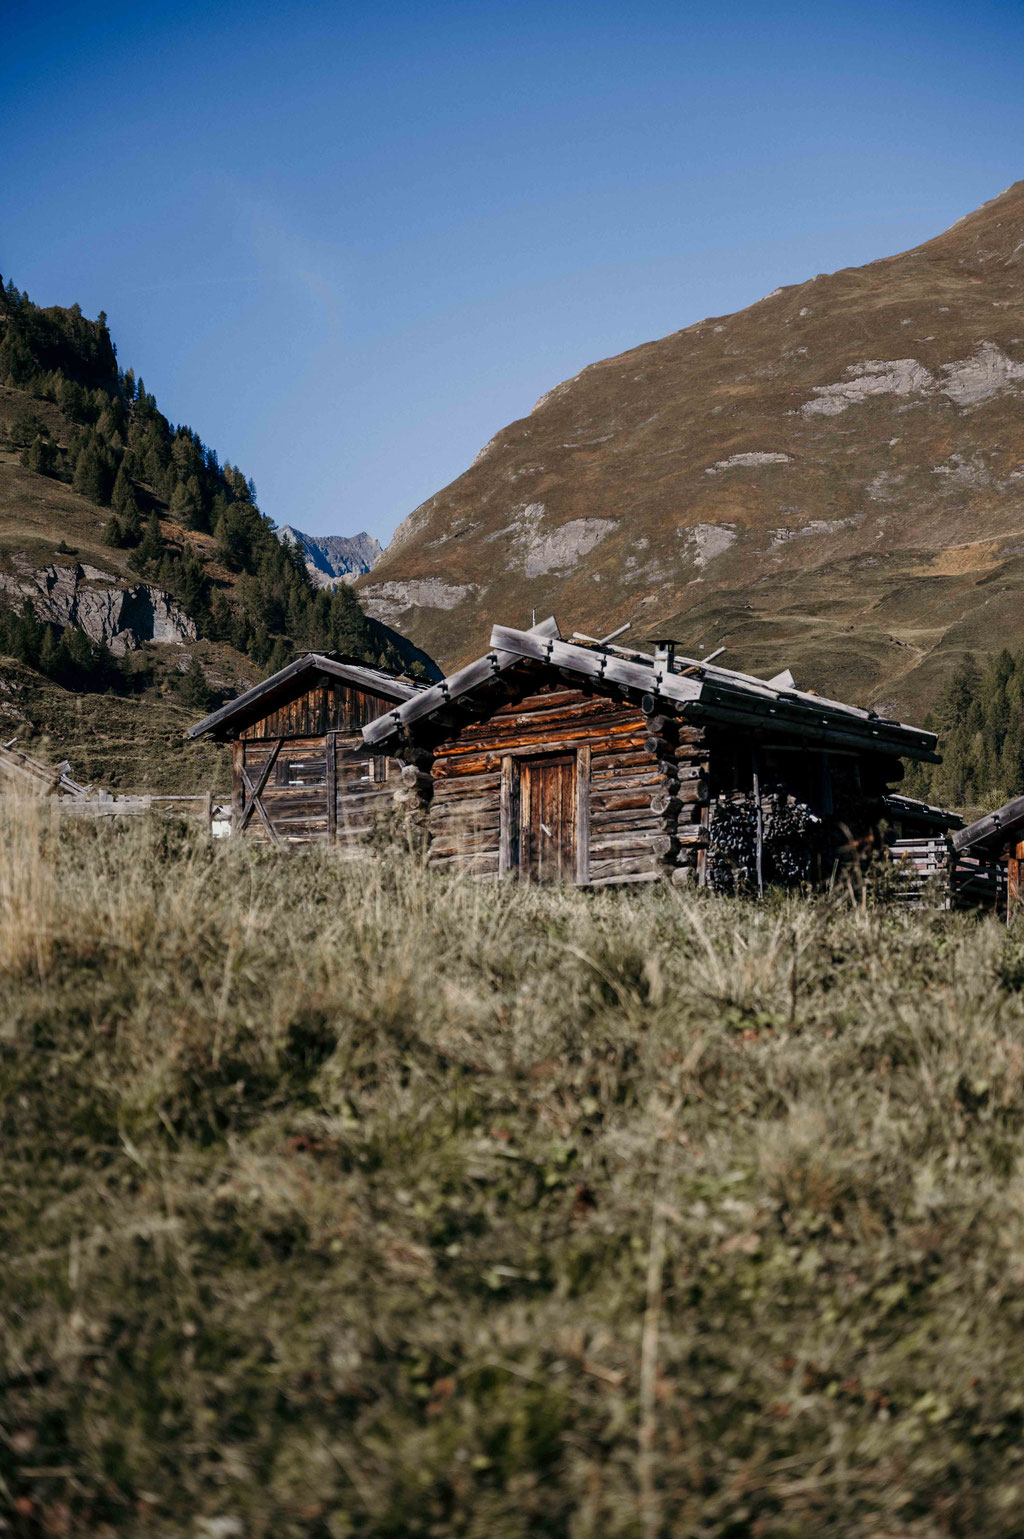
point(583, 761)
point(297, 771)
point(988, 856)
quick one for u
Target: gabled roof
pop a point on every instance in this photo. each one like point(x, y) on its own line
point(699, 691)
point(989, 834)
point(291, 680)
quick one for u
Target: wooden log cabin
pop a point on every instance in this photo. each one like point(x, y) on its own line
point(559, 760)
point(298, 773)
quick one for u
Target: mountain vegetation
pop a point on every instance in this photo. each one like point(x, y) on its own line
point(980, 721)
point(355, 1200)
point(829, 481)
point(189, 524)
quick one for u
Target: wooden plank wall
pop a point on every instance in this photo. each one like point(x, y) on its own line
point(626, 838)
point(319, 736)
point(296, 799)
point(328, 706)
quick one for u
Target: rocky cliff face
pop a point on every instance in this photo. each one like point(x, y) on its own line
point(85, 596)
point(333, 558)
point(831, 480)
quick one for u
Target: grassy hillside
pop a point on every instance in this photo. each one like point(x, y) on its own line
point(350, 1200)
point(828, 480)
point(100, 493)
point(74, 417)
point(114, 742)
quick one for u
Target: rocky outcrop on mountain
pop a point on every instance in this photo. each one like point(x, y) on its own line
point(82, 595)
point(830, 480)
point(333, 558)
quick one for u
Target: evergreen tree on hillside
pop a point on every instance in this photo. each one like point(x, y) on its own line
point(125, 507)
point(39, 456)
point(193, 688)
point(151, 546)
point(186, 506)
point(980, 722)
point(91, 478)
point(113, 533)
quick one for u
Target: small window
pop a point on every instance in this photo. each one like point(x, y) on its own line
point(305, 772)
point(380, 769)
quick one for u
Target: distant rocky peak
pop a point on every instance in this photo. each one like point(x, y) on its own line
point(333, 558)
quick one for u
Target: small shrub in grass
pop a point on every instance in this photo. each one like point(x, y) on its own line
point(329, 1188)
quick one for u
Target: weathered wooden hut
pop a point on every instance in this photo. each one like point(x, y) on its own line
point(589, 762)
point(298, 774)
point(987, 864)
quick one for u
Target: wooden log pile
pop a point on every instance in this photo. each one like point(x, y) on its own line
point(681, 799)
point(791, 840)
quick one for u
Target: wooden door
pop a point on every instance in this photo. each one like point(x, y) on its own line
point(547, 818)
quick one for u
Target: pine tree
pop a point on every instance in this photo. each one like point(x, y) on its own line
point(124, 505)
point(280, 657)
point(151, 547)
point(192, 686)
point(50, 656)
point(113, 534)
point(186, 507)
point(221, 619)
point(90, 478)
point(39, 456)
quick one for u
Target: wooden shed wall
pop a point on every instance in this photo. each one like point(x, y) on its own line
point(319, 788)
point(619, 835)
point(330, 706)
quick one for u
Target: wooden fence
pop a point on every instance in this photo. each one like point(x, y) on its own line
point(931, 868)
point(29, 775)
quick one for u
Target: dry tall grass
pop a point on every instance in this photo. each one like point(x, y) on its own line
point(348, 1199)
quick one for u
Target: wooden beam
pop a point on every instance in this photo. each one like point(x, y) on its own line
point(508, 836)
point(457, 684)
point(332, 788)
point(256, 791)
point(996, 828)
point(583, 814)
point(759, 826)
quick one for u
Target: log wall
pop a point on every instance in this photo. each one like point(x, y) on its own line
point(635, 812)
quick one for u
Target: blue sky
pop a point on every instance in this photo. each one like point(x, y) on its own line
point(347, 243)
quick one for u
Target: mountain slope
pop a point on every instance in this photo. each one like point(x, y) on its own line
point(131, 560)
point(333, 558)
point(831, 480)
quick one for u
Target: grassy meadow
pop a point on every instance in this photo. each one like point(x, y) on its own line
point(351, 1200)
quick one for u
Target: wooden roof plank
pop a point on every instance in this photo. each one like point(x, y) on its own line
point(994, 829)
point(438, 696)
point(700, 692)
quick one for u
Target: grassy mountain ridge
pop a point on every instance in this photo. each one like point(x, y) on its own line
point(829, 480)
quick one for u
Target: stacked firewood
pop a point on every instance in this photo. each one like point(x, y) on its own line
point(791, 838)
point(682, 800)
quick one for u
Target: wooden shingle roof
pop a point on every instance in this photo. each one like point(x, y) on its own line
point(701, 692)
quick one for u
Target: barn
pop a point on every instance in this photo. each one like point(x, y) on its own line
point(583, 760)
point(298, 772)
